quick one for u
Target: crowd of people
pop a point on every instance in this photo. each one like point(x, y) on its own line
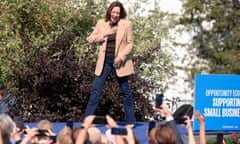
point(14, 131)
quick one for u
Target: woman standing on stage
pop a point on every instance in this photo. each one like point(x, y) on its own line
point(114, 36)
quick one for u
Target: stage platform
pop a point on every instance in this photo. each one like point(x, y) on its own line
point(140, 129)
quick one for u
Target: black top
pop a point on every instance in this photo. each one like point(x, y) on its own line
point(111, 42)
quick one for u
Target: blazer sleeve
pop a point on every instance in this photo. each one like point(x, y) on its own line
point(96, 36)
point(124, 53)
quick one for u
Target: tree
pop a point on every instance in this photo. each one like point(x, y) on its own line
point(150, 28)
point(217, 26)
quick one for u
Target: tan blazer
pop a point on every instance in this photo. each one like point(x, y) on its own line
point(124, 45)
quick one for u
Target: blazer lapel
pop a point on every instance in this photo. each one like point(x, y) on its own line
point(105, 26)
point(120, 33)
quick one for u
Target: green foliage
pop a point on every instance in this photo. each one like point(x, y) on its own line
point(234, 138)
point(228, 60)
point(149, 30)
point(220, 44)
point(33, 23)
point(211, 141)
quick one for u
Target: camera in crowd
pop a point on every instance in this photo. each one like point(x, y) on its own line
point(180, 120)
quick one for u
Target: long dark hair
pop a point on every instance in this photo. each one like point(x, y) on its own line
point(123, 13)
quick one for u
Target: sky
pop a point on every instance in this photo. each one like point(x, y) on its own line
point(172, 6)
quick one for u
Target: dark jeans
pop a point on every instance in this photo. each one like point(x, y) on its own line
point(98, 86)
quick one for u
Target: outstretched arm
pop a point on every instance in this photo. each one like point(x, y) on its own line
point(164, 110)
point(1, 141)
point(120, 139)
point(202, 133)
point(191, 139)
point(83, 134)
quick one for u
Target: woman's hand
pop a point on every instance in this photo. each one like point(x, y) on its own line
point(200, 117)
point(110, 31)
point(117, 62)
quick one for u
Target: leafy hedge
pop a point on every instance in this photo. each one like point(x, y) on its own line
point(56, 86)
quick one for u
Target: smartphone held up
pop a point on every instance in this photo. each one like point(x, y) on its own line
point(100, 120)
point(158, 100)
point(119, 131)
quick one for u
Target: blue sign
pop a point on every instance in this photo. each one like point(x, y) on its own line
point(217, 97)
